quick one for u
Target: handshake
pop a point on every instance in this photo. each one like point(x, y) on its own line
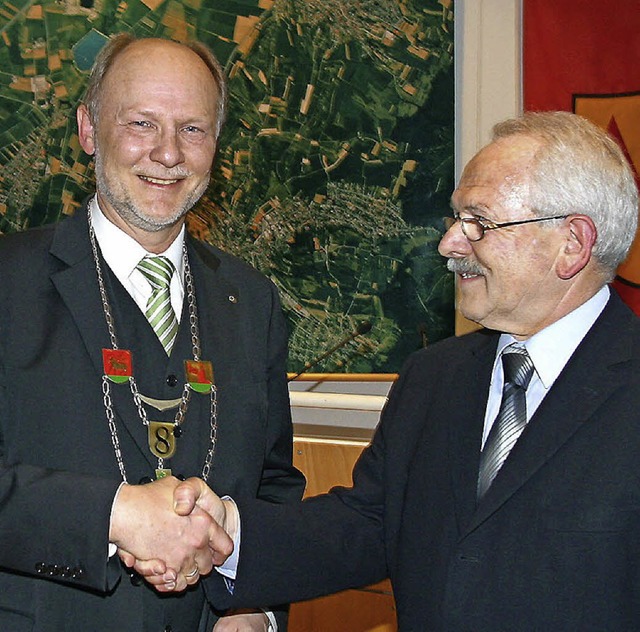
point(172, 532)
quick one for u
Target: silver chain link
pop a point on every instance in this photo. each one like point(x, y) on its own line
point(213, 433)
point(186, 392)
point(193, 308)
point(106, 308)
point(108, 407)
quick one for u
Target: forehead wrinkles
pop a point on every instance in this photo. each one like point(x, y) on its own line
point(498, 176)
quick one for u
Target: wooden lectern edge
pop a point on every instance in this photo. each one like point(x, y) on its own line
point(344, 377)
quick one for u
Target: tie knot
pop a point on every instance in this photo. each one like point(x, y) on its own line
point(157, 270)
point(517, 366)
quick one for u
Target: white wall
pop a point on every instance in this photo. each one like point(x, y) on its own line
point(488, 89)
point(488, 70)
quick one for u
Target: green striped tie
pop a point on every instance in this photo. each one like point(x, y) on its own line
point(158, 271)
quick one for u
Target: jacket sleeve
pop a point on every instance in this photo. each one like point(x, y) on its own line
point(53, 523)
point(280, 482)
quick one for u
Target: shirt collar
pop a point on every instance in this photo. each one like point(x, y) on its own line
point(121, 252)
point(551, 348)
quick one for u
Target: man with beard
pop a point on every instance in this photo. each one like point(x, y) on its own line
point(501, 490)
point(131, 356)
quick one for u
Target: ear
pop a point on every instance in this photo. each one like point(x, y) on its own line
point(581, 235)
point(86, 129)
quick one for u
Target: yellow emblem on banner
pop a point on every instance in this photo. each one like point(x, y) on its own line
point(618, 114)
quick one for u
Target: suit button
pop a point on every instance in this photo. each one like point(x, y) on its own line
point(76, 572)
point(41, 568)
point(167, 628)
point(136, 580)
point(172, 380)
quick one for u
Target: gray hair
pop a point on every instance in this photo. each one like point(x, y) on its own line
point(117, 44)
point(581, 169)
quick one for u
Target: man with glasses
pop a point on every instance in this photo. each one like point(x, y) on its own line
point(502, 488)
point(474, 228)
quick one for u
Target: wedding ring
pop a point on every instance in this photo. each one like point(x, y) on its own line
point(193, 573)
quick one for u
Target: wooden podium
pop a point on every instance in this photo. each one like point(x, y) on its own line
point(327, 462)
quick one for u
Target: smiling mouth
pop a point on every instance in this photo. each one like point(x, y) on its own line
point(159, 180)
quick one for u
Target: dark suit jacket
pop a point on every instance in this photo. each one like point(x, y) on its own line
point(553, 546)
point(58, 472)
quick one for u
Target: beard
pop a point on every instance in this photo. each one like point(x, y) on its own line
point(122, 202)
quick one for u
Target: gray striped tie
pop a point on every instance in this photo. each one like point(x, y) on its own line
point(512, 416)
point(158, 271)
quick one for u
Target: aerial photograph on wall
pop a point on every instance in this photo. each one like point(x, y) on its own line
point(334, 168)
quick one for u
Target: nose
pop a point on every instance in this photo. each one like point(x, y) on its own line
point(454, 243)
point(167, 150)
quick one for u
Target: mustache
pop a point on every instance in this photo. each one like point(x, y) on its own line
point(176, 173)
point(464, 266)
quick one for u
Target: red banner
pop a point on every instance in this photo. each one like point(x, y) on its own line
point(585, 57)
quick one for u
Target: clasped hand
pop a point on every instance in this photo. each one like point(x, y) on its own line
point(170, 532)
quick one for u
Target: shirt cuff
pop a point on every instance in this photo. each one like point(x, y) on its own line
point(113, 549)
point(273, 624)
point(229, 569)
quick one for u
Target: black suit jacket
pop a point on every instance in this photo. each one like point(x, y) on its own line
point(553, 546)
point(58, 472)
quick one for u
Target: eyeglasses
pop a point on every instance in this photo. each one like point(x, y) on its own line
point(474, 228)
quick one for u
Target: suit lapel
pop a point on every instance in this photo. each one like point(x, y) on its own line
point(471, 376)
point(77, 284)
point(219, 301)
point(589, 379)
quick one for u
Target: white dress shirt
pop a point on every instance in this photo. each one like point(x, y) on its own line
point(123, 253)
point(549, 350)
